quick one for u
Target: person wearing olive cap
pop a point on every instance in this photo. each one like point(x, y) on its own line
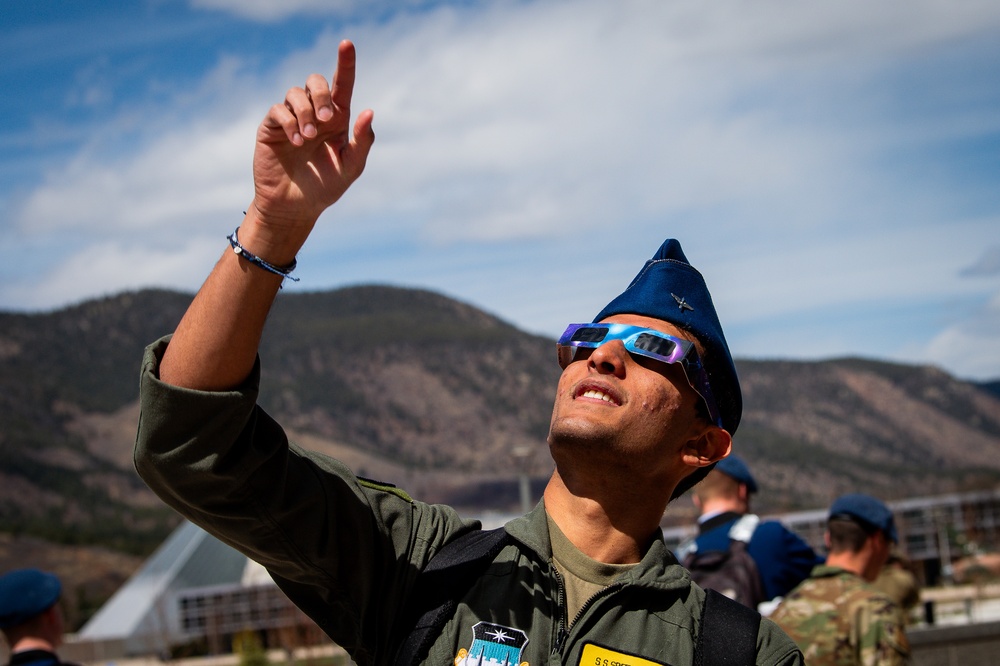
point(736, 553)
point(647, 402)
point(836, 616)
point(30, 617)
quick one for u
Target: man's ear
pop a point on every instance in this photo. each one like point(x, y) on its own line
point(711, 445)
point(878, 544)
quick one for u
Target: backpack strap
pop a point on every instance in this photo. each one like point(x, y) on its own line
point(447, 577)
point(728, 633)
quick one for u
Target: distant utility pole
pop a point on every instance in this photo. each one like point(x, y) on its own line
point(521, 455)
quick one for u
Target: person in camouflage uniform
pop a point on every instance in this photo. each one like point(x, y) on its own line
point(836, 616)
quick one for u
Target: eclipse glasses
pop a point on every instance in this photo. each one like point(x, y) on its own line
point(645, 342)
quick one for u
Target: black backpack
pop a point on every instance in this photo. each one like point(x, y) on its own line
point(732, 573)
point(728, 635)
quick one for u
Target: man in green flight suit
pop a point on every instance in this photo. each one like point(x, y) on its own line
point(647, 402)
point(836, 616)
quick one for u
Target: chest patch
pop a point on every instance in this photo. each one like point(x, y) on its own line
point(595, 655)
point(493, 645)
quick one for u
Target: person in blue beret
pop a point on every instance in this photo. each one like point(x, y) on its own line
point(30, 617)
point(647, 402)
point(778, 559)
point(836, 615)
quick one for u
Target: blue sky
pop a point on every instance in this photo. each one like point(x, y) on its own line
point(832, 168)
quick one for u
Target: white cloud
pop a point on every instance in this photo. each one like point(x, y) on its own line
point(970, 347)
point(560, 142)
point(109, 267)
point(865, 267)
point(154, 171)
point(523, 122)
point(987, 265)
point(268, 10)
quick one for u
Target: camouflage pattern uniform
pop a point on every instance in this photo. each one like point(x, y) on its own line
point(838, 619)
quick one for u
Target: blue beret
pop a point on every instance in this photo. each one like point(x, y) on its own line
point(867, 510)
point(733, 466)
point(669, 288)
point(25, 594)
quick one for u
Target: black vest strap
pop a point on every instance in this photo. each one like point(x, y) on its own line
point(447, 577)
point(728, 633)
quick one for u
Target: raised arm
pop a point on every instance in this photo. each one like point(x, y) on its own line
point(307, 155)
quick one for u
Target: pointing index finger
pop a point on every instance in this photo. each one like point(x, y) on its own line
point(343, 79)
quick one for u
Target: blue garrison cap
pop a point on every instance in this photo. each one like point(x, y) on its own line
point(867, 510)
point(26, 593)
point(669, 288)
point(733, 466)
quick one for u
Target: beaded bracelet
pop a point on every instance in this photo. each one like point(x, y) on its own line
point(283, 271)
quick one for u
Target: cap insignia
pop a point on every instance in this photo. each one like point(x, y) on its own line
point(681, 303)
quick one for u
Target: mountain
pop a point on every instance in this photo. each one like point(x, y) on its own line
point(444, 400)
point(402, 384)
point(817, 430)
point(992, 387)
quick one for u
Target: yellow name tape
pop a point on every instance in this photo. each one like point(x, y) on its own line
point(595, 655)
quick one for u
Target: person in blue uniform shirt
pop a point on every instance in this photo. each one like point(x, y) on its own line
point(782, 558)
point(31, 618)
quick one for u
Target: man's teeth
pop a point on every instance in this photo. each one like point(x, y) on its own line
point(597, 395)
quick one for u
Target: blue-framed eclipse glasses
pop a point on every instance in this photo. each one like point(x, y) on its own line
point(646, 342)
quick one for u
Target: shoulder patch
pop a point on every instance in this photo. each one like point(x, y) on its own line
point(384, 487)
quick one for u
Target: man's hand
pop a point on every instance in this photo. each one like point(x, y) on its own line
point(306, 157)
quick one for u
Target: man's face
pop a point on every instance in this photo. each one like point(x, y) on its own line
point(613, 404)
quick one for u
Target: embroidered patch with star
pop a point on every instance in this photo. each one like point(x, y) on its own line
point(493, 645)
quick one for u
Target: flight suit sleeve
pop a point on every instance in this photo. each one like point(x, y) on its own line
point(346, 551)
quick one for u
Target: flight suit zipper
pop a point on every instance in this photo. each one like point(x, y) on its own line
point(563, 634)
